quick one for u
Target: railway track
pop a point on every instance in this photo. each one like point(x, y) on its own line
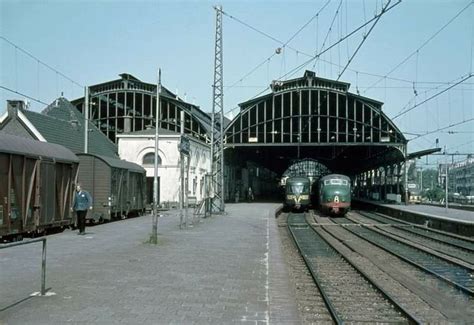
point(454, 246)
point(448, 238)
point(349, 294)
point(459, 276)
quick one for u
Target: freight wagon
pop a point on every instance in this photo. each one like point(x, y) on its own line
point(36, 187)
point(117, 187)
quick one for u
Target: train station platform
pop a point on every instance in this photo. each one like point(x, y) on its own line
point(226, 269)
point(454, 220)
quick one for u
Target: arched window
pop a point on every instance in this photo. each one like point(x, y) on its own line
point(149, 159)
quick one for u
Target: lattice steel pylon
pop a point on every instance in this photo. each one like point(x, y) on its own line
point(217, 131)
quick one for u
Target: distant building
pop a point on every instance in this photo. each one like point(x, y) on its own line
point(59, 123)
point(461, 177)
point(139, 147)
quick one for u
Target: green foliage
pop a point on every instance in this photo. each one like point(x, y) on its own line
point(431, 189)
point(434, 194)
point(430, 178)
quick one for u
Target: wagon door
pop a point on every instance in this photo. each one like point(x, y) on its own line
point(63, 185)
point(4, 188)
point(48, 193)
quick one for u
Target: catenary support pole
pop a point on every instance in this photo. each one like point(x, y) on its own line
point(154, 238)
point(446, 184)
point(182, 221)
point(86, 119)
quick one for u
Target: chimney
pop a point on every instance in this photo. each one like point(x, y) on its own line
point(14, 105)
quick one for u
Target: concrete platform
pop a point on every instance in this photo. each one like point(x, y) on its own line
point(227, 269)
point(453, 220)
point(437, 212)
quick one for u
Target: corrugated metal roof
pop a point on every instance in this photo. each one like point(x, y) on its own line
point(23, 146)
point(116, 163)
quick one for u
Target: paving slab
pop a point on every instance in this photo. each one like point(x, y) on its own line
point(227, 269)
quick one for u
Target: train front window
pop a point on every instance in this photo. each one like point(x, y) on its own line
point(298, 189)
point(336, 181)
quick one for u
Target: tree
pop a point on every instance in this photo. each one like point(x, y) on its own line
point(435, 194)
point(430, 178)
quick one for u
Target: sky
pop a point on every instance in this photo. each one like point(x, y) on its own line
point(418, 46)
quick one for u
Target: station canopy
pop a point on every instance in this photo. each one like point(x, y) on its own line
point(316, 118)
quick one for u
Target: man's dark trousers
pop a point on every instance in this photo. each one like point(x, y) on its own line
point(81, 220)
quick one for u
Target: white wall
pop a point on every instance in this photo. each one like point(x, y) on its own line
point(133, 148)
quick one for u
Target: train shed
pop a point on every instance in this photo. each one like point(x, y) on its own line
point(319, 119)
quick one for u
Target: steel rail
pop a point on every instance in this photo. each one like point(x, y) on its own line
point(411, 261)
point(315, 277)
point(327, 300)
point(404, 239)
point(460, 252)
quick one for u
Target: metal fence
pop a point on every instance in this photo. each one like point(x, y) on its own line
point(43, 259)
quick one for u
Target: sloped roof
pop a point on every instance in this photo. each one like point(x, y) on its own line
point(62, 109)
point(33, 148)
point(61, 123)
point(117, 163)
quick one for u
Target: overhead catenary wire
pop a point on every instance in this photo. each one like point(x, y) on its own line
point(461, 145)
point(329, 30)
point(364, 38)
point(319, 58)
point(470, 75)
point(422, 45)
point(296, 69)
point(431, 89)
point(24, 95)
point(443, 131)
point(40, 61)
point(442, 128)
point(283, 44)
point(472, 38)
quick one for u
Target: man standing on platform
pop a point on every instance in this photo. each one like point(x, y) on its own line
point(82, 202)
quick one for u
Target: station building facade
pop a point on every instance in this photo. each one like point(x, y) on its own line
point(139, 147)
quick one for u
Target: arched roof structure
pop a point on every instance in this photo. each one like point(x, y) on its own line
point(129, 104)
point(312, 117)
